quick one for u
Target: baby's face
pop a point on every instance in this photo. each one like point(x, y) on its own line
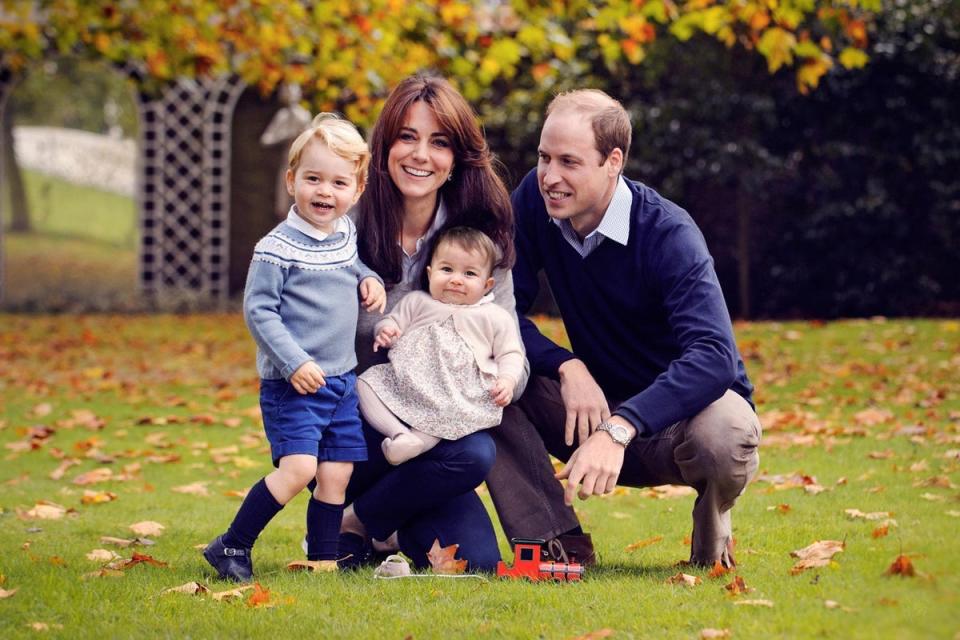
point(324, 186)
point(457, 275)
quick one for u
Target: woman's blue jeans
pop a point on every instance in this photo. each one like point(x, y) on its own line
point(430, 497)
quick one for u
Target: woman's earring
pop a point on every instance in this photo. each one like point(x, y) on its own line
point(450, 176)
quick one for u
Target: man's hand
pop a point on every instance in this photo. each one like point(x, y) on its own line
point(584, 401)
point(595, 466)
point(373, 296)
point(386, 337)
point(308, 378)
point(502, 391)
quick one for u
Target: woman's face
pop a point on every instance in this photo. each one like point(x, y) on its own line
point(421, 157)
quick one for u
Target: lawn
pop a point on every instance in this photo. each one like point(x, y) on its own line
point(80, 253)
point(161, 411)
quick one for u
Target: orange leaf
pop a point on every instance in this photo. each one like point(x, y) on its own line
point(595, 635)
point(880, 532)
point(92, 477)
point(639, 544)
point(737, 586)
point(443, 560)
point(901, 567)
point(685, 579)
point(718, 570)
point(260, 597)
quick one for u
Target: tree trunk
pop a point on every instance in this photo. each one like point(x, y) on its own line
point(12, 178)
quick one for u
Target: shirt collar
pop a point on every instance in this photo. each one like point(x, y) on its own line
point(297, 222)
point(615, 223)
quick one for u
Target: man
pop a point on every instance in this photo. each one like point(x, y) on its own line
point(654, 391)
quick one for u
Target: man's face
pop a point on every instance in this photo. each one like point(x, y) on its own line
point(574, 184)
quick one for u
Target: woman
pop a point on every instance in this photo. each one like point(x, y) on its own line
point(430, 169)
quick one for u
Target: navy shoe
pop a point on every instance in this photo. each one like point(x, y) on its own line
point(231, 564)
point(353, 551)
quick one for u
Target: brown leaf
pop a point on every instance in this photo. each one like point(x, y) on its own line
point(881, 532)
point(260, 597)
point(684, 579)
point(97, 497)
point(231, 594)
point(595, 635)
point(120, 542)
point(61, 470)
point(190, 588)
point(105, 573)
point(854, 514)
point(102, 555)
point(443, 559)
point(873, 416)
point(313, 566)
point(754, 603)
point(902, 566)
point(817, 554)
point(737, 586)
point(147, 528)
point(713, 634)
point(44, 510)
point(134, 560)
point(669, 491)
point(886, 454)
point(194, 489)
point(103, 474)
point(4, 593)
point(639, 544)
point(718, 570)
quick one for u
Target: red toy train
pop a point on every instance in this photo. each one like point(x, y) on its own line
point(528, 564)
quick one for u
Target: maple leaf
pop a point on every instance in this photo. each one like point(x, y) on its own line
point(718, 570)
point(817, 554)
point(313, 566)
point(684, 579)
point(902, 566)
point(737, 586)
point(260, 597)
point(231, 594)
point(443, 560)
point(639, 544)
point(147, 528)
point(190, 588)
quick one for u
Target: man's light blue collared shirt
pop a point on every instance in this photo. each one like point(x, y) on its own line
point(615, 223)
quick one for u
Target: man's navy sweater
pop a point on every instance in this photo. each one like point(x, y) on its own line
point(648, 319)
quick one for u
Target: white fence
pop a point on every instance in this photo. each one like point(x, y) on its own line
point(79, 157)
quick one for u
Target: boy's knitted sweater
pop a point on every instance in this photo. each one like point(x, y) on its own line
point(301, 300)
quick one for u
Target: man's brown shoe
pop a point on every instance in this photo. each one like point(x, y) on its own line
point(571, 548)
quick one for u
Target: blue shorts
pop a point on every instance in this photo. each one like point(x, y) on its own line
point(325, 424)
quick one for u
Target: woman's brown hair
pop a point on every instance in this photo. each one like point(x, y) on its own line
point(475, 197)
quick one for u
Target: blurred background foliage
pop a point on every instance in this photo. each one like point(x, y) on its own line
point(816, 143)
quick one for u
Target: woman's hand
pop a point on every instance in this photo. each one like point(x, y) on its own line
point(372, 295)
point(386, 337)
point(502, 391)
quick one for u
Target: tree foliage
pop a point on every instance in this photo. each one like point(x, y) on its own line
point(347, 55)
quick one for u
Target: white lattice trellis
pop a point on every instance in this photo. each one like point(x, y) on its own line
point(184, 194)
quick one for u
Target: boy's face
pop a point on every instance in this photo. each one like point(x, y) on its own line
point(457, 275)
point(324, 186)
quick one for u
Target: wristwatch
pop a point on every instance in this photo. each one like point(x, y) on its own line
point(619, 433)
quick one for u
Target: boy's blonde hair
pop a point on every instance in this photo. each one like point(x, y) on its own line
point(340, 136)
point(470, 239)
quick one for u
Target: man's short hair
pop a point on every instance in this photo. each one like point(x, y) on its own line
point(610, 121)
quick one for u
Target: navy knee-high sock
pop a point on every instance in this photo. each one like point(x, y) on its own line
point(323, 529)
point(257, 510)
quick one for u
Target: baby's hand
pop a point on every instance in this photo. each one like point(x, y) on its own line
point(372, 295)
point(308, 378)
point(386, 337)
point(502, 391)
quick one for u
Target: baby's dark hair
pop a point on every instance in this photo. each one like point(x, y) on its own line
point(470, 239)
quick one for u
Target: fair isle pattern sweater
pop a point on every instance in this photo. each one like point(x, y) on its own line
point(301, 300)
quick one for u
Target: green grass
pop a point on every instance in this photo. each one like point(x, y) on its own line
point(171, 375)
point(60, 208)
